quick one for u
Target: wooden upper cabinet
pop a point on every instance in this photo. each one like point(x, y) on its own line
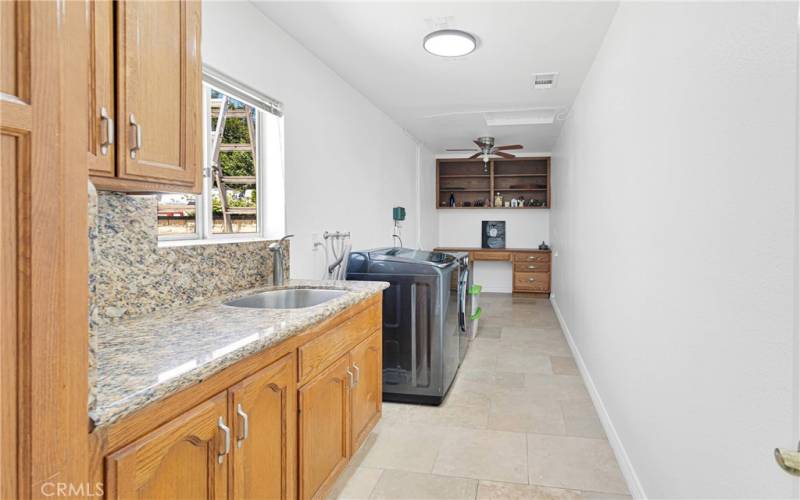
point(367, 393)
point(149, 79)
point(324, 428)
point(264, 415)
point(159, 82)
point(178, 460)
point(102, 112)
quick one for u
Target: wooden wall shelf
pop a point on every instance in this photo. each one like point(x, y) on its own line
point(526, 178)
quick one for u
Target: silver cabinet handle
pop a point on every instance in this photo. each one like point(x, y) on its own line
point(136, 130)
point(358, 373)
point(788, 460)
point(227, 430)
point(109, 129)
point(245, 425)
point(531, 257)
point(350, 376)
point(531, 267)
point(531, 279)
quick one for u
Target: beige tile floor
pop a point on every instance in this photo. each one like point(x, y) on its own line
point(518, 423)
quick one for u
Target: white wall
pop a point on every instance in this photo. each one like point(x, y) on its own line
point(674, 177)
point(429, 220)
point(347, 163)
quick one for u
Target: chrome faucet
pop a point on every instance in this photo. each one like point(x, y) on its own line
point(277, 260)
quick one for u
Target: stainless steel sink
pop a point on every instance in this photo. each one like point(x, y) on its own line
point(293, 298)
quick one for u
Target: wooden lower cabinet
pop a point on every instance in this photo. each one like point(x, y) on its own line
point(324, 427)
point(367, 395)
point(263, 410)
point(276, 431)
point(180, 459)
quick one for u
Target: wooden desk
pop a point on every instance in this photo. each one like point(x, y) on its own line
point(531, 266)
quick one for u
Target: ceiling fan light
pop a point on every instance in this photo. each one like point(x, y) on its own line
point(449, 43)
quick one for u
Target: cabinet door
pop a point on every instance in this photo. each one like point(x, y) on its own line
point(367, 394)
point(324, 428)
point(101, 149)
point(264, 416)
point(178, 460)
point(159, 92)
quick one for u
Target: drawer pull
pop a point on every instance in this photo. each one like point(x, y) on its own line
point(531, 279)
point(531, 267)
point(227, 430)
point(358, 373)
point(352, 379)
point(109, 130)
point(245, 425)
point(531, 257)
point(136, 130)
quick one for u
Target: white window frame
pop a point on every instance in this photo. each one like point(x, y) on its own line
point(203, 213)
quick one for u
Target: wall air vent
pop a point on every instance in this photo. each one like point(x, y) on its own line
point(545, 80)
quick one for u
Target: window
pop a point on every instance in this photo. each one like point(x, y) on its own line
point(243, 172)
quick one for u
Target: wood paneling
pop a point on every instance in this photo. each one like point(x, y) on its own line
point(101, 154)
point(11, 160)
point(264, 463)
point(43, 261)
point(366, 397)
point(159, 84)
point(179, 460)
point(324, 428)
point(317, 354)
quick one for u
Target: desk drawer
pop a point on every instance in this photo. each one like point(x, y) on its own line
point(532, 282)
point(531, 267)
point(491, 256)
point(531, 257)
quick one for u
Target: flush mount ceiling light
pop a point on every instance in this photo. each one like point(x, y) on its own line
point(449, 43)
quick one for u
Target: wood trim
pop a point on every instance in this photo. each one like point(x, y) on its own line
point(48, 304)
point(137, 186)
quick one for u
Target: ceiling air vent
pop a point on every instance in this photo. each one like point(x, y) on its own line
point(545, 80)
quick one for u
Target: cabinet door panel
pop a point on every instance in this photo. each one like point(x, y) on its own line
point(264, 462)
point(324, 429)
point(177, 460)
point(366, 359)
point(159, 89)
point(101, 157)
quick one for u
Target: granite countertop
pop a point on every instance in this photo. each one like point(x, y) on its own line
point(143, 360)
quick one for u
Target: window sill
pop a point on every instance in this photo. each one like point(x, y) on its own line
point(210, 241)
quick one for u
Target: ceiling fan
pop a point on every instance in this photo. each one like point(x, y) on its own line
point(486, 148)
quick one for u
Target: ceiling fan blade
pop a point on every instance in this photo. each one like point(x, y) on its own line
point(470, 149)
point(475, 155)
point(504, 155)
point(510, 146)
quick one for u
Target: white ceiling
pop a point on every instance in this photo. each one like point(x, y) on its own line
point(377, 48)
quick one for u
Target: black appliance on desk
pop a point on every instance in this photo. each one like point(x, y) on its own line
point(425, 322)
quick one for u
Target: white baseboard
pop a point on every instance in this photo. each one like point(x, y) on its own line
point(634, 485)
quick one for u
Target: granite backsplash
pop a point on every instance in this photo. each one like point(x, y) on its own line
point(130, 276)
